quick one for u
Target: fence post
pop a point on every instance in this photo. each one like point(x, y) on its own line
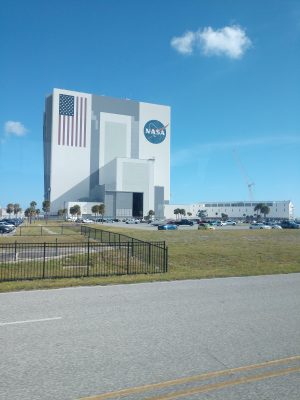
point(62, 230)
point(149, 253)
point(101, 236)
point(44, 260)
point(16, 254)
point(41, 231)
point(128, 256)
point(56, 247)
point(88, 259)
point(166, 259)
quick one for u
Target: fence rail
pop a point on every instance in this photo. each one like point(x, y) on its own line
point(112, 237)
point(20, 261)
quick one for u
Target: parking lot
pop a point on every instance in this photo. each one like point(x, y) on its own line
point(149, 227)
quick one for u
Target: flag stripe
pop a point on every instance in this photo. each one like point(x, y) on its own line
point(76, 138)
point(72, 130)
point(80, 118)
point(85, 105)
point(64, 125)
point(59, 124)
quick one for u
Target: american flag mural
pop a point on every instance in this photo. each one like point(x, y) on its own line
point(72, 120)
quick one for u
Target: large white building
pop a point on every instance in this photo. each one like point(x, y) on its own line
point(235, 209)
point(100, 149)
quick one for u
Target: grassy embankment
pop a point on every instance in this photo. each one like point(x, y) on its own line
point(193, 255)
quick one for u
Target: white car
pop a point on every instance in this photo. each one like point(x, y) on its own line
point(229, 222)
point(259, 226)
point(132, 221)
point(275, 226)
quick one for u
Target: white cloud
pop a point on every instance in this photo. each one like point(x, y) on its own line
point(230, 41)
point(15, 128)
point(184, 44)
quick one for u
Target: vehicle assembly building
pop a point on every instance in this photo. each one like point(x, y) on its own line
point(99, 149)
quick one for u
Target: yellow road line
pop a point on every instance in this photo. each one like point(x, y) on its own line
point(180, 381)
point(221, 385)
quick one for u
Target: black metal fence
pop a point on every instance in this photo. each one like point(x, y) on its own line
point(20, 261)
point(112, 237)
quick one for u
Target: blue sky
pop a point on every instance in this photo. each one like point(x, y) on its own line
point(229, 69)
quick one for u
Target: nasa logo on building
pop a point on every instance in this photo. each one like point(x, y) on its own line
point(155, 132)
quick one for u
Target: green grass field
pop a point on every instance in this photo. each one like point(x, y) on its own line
point(194, 255)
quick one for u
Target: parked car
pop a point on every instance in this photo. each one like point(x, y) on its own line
point(275, 226)
point(229, 222)
point(158, 222)
point(5, 229)
point(259, 225)
point(132, 221)
point(196, 220)
point(205, 225)
point(217, 223)
point(70, 219)
point(289, 225)
point(184, 222)
point(167, 227)
point(12, 221)
point(108, 220)
point(6, 224)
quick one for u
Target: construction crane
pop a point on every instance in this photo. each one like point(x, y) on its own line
point(245, 175)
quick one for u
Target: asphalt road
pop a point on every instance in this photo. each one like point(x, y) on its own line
point(73, 343)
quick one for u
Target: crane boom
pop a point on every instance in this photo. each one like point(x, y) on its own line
point(244, 174)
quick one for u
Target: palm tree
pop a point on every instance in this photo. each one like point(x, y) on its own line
point(95, 209)
point(46, 208)
point(177, 212)
point(77, 209)
point(17, 209)
point(224, 216)
point(102, 210)
point(182, 212)
point(10, 209)
point(37, 212)
point(265, 210)
point(202, 214)
point(33, 210)
point(151, 213)
point(29, 213)
point(60, 212)
point(33, 204)
point(257, 208)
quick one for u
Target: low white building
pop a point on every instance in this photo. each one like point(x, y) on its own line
point(234, 209)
